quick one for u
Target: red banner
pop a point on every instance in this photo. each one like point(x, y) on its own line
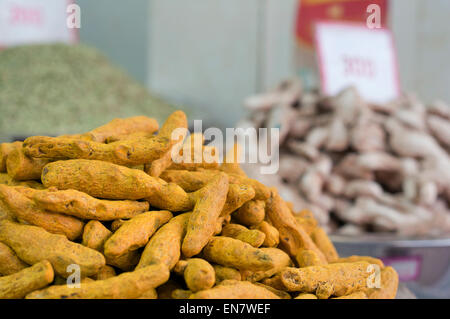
point(310, 11)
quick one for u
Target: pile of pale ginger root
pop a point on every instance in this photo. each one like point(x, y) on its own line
point(360, 167)
point(113, 204)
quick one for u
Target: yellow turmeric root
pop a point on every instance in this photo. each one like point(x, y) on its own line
point(325, 281)
point(353, 259)
point(225, 273)
point(165, 245)
point(9, 262)
point(272, 238)
point(122, 127)
point(323, 242)
point(306, 296)
point(230, 289)
point(292, 235)
point(5, 150)
point(231, 162)
point(306, 258)
point(33, 244)
point(127, 285)
point(234, 253)
point(252, 213)
point(199, 274)
point(22, 167)
point(8, 180)
point(105, 273)
point(355, 295)
point(251, 236)
point(24, 209)
point(126, 152)
point(27, 280)
point(280, 260)
point(389, 285)
point(111, 181)
point(202, 223)
point(136, 232)
point(81, 205)
point(95, 235)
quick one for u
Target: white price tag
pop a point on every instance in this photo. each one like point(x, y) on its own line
point(352, 54)
point(35, 21)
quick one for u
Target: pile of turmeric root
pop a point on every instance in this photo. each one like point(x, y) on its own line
point(360, 167)
point(113, 208)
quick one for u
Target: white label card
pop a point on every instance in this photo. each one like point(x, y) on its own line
point(34, 21)
point(352, 54)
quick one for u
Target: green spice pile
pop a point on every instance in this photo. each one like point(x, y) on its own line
point(60, 89)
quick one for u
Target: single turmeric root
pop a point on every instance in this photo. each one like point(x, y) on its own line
point(111, 181)
point(238, 195)
point(119, 127)
point(272, 238)
point(234, 253)
point(128, 285)
point(81, 205)
point(226, 273)
point(9, 262)
point(325, 281)
point(323, 242)
point(126, 152)
point(8, 180)
point(22, 167)
point(280, 260)
point(202, 223)
point(24, 209)
point(199, 274)
point(292, 235)
point(105, 273)
point(174, 130)
point(251, 236)
point(353, 259)
point(136, 232)
point(165, 245)
point(231, 289)
point(33, 244)
point(252, 213)
point(95, 235)
point(5, 150)
point(306, 258)
point(389, 285)
point(27, 280)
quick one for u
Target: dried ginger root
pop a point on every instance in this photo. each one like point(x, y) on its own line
point(127, 285)
point(9, 262)
point(33, 244)
point(25, 210)
point(325, 281)
point(21, 283)
point(126, 152)
point(135, 232)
